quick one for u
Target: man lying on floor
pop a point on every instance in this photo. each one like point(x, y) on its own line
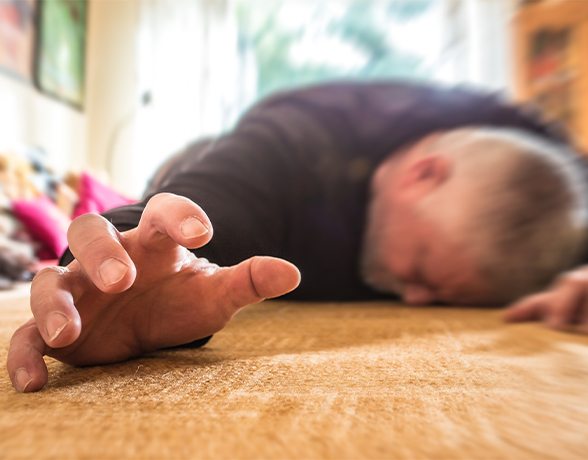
point(370, 190)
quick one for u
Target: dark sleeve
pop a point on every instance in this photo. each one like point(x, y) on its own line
point(404, 113)
point(241, 182)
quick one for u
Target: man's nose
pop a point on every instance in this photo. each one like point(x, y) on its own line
point(417, 295)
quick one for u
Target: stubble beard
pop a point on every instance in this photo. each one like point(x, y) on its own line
point(373, 271)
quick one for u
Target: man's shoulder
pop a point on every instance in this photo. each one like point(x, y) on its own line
point(346, 93)
point(373, 108)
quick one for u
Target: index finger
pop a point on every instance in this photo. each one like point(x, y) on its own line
point(96, 245)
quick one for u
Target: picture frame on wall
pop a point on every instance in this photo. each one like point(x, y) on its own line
point(59, 69)
point(17, 38)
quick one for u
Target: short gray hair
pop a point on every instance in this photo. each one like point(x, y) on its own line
point(531, 221)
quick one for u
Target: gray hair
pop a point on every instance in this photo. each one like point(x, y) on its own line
point(530, 222)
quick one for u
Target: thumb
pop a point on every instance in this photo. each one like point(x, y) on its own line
point(260, 278)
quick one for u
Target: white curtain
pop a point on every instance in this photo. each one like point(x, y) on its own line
point(187, 73)
point(477, 43)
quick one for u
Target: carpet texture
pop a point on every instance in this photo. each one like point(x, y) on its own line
point(305, 381)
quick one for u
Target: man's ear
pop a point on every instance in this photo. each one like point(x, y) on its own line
point(425, 175)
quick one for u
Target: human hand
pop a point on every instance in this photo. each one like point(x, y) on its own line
point(563, 306)
point(137, 291)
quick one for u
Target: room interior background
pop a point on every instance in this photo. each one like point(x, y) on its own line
point(314, 381)
point(158, 74)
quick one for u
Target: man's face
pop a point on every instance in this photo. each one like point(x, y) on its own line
point(417, 251)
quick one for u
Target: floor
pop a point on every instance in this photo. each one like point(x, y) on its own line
point(324, 381)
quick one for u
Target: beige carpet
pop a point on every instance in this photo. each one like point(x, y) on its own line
point(290, 381)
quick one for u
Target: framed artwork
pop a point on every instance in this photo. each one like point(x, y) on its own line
point(551, 62)
point(61, 50)
point(17, 34)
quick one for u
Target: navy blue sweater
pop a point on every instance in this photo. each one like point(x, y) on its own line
point(292, 178)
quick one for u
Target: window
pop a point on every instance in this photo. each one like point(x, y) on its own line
point(292, 42)
point(295, 42)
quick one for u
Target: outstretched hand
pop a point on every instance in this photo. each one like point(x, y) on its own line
point(129, 293)
point(564, 306)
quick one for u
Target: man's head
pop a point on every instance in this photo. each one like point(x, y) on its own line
point(474, 216)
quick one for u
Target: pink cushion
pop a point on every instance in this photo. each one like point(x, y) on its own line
point(94, 196)
point(45, 222)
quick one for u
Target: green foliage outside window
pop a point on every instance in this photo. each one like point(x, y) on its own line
point(363, 27)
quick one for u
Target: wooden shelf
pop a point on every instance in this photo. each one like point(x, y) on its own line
point(551, 62)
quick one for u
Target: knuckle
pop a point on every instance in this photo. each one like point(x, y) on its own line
point(160, 198)
point(165, 200)
point(48, 272)
point(99, 241)
point(80, 227)
point(95, 245)
point(87, 224)
point(41, 305)
point(20, 334)
point(81, 222)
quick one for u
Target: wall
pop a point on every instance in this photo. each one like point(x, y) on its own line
point(30, 118)
point(111, 85)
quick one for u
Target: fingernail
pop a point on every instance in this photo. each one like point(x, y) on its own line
point(112, 271)
point(192, 228)
point(23, 379)
point(56, 322)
